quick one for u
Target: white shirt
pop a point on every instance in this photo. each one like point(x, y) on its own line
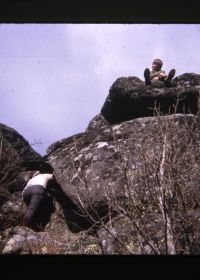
point(40, 179)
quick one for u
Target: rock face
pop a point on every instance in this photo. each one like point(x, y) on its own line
point(130, 98)
point(128, 185)
point(14, 151)
point(121, 169)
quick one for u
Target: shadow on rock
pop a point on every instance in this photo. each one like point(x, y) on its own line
point(75, 221)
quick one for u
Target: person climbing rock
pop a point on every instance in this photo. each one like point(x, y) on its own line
point(36, 196)
point(158, 74)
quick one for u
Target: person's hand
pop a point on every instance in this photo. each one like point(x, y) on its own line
point(162, 75)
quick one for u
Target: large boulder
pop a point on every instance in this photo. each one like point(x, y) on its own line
point(130, 98)
point(127, 169)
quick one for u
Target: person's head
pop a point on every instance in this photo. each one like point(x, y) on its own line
point(30, 174)
point(157, 64)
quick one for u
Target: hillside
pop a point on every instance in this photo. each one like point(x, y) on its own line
point(128, 185)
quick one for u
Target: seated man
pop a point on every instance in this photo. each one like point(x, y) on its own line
point(35, 195)
point(158, 74)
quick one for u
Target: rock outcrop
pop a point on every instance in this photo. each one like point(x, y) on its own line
point(14, 151)
point(103, 173)
point(130, 98)
point(129, 184)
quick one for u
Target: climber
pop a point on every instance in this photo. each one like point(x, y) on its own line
point(158, 74)
point(35, 194)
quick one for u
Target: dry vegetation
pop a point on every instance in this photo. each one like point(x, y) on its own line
point(159, 196)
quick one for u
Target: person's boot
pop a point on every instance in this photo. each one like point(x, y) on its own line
point(169, 77)
point(147, 76)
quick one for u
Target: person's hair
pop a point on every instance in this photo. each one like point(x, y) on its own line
point(30, 174)
point(159, 61)
point(27, 176)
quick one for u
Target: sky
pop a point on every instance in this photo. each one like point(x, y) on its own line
point(54, 78)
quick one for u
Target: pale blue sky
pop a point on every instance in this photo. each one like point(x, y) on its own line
point(54, 78)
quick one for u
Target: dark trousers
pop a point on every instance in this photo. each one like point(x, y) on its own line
point(33, 197)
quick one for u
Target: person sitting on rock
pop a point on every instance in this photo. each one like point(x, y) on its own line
point(35, 195)
point(158, 74)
